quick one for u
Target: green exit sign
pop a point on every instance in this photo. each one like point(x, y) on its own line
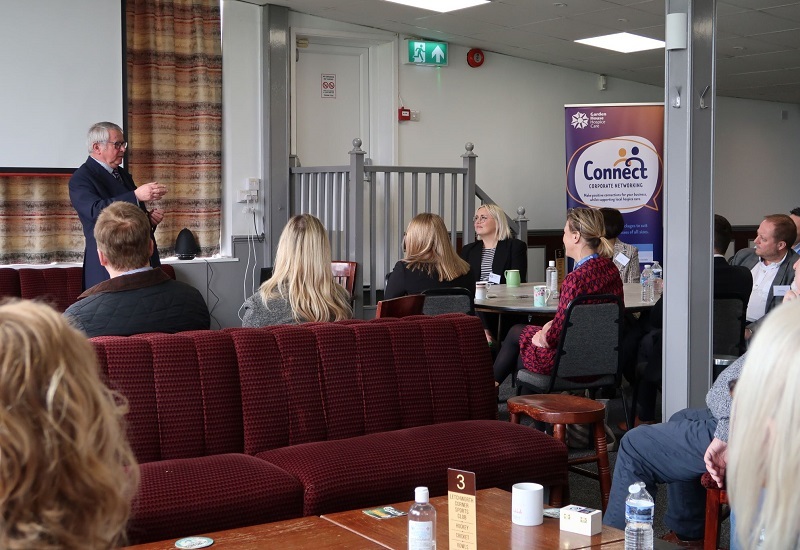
point(423, 52)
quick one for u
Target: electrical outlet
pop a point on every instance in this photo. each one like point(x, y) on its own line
point(414, 116)
point(247, 195)
point(253, 184)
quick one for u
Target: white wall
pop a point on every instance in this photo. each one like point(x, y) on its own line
point(61, 66)
point(513, 112)
point(757, 159)
point(241, 113)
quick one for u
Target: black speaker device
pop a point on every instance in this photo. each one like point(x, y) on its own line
point(185, 245)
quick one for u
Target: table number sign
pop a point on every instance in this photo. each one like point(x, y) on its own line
point(461, 509)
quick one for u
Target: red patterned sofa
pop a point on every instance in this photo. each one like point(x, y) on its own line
point(246, 426)
point(58, 286)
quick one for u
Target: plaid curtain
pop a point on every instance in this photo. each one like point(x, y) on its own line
point(175, 113)
point(37, 222)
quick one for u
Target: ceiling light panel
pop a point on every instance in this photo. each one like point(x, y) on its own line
point(442, 6)
point(623, 42)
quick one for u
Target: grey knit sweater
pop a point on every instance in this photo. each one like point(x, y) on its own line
point(718, 398)
point(275, 312)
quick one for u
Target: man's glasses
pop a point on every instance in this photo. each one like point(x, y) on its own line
point(118, 144)
point(482, 219)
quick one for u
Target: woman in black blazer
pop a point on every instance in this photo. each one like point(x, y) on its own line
point(493, 253)
point(430, 261)
point(496, 250)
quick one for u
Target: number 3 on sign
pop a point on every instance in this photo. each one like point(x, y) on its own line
point(460, 482)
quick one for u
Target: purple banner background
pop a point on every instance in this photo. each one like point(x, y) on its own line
point(614, 158)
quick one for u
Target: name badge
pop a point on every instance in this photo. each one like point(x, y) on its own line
point(780, 290)
point(622, 258)
point(494, 278)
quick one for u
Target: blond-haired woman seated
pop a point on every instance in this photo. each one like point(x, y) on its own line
point(67, 474)
point(534, 347)
point(763, 459)
point(430, 261)
point(301, 288)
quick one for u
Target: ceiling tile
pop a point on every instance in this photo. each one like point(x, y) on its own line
point(568, 28)
point(513, 37)
point(457, 24)
point(791, 11)
point(790, 39)
point(621, 19)
point(759, 4)
point(748, 23)
point(740, 46)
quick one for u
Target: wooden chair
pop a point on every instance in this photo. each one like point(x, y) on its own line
point(345, 275)
point(401, 307)
point(716, 498)
point(560, 410)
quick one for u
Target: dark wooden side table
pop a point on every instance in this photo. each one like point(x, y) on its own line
point(560, 410)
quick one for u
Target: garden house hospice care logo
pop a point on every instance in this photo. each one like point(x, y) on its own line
point(620, 172)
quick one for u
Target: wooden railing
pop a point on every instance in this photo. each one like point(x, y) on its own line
point(366, 220)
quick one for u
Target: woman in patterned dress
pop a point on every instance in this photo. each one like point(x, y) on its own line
point(534, 347)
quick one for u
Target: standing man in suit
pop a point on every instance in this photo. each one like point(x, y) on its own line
point(99, 182)
point(771, 263)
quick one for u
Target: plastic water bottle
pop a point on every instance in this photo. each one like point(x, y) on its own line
point(647, 284)
point(639, 509)
point(658, 280)
point(551, 279)
point(421, 522)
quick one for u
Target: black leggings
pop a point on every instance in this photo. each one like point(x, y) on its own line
point(508, 359)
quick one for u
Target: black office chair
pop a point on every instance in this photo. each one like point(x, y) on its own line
point(730, 318)
point(448, 300)
point(588, 348)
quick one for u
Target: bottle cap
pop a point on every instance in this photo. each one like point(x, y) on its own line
point(635, 487)
point(421, 494)
point(551, 263)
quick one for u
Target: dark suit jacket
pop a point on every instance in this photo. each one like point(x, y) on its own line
point(404, 281)
point(509, 254)
point(732, 279)
point(92, 188)
point(747, 258)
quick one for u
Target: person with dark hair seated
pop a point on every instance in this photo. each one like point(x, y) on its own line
point(594, 273)
point(625, 256)
point(794, 214)
point(137, 298)
point(728, 280)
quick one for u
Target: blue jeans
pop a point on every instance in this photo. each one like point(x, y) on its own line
point(670, 453)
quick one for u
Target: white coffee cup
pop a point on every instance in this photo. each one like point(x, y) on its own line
point(527, 504)
point(541, 294)
point(481, 290)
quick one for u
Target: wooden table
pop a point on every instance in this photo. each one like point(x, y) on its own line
point(495, 529)
point(308, 532)
point(502, 299)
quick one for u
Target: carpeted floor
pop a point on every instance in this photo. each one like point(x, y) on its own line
point(585, 491)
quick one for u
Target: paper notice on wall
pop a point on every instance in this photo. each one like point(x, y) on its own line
point(329, 86)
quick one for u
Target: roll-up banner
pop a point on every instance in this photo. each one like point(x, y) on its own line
point(615, 160)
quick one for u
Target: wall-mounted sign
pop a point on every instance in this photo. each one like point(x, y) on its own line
point(329, 86)
point(423, 52)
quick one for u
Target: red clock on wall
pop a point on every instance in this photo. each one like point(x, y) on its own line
point(475, 57)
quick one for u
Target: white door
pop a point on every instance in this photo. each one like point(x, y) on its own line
point(332, 103)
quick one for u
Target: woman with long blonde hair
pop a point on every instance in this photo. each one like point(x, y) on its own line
point(302, 287)
point(763, 447)
point(430, 261)
point(67, 474)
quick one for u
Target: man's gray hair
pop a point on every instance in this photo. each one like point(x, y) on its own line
point(98, 133)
